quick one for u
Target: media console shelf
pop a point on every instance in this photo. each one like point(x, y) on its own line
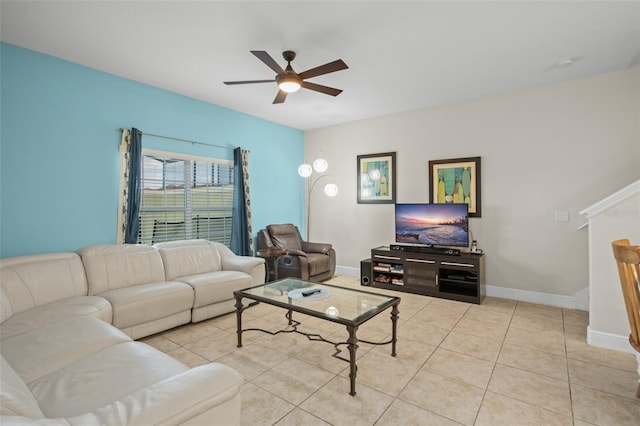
point(439, 275)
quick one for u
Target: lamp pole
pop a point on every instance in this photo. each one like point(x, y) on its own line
point(306, 171)
point(309, 191)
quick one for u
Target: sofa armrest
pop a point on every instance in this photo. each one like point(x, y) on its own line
point(210, 392)
point(254, 266)
point(246, 264)
point(316, 247)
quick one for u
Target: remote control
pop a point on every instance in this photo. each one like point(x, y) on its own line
point(306, 293)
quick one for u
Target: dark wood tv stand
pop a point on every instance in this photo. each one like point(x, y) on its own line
point(439, 275)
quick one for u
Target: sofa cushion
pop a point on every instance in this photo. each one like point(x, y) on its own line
point(205, 395)
point(15, 397)
point(32, 281)
point(82, 306)
point(101, 378)
point(216, 287)
point(114, 266)
point(189, 257)
point(147, 302)
point(52, 347)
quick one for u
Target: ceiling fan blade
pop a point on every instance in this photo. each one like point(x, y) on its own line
point(249, 81)
point(322, 89)
point(280, 97)
point(268, 60)
point(324, 69)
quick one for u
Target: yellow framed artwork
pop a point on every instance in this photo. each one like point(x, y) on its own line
point(456, 181)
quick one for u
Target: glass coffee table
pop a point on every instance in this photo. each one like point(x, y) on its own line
point(349, 307)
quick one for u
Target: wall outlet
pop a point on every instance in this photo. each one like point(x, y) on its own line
point(561, 216)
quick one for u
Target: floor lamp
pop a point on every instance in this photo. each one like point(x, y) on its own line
point(306, 171)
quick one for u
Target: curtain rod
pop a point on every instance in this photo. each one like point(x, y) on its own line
point(185, 140)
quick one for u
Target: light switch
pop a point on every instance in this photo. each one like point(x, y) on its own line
point(561, 216)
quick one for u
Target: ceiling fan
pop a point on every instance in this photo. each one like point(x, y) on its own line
point(289, 81)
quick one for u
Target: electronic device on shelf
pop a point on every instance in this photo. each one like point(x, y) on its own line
point(431, 228)
point(425, 249)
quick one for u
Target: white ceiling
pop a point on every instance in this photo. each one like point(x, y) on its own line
point(402, 56)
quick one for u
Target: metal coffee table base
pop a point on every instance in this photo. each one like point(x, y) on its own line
point(351, 343)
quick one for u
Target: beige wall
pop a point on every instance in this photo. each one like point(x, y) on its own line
point(607, 313)
point(560, 147)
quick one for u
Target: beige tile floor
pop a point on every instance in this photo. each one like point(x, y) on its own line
point(499, 363)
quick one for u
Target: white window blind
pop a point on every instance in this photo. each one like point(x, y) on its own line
point(185, 197)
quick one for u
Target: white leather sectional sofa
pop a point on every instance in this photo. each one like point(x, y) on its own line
point(67, 324)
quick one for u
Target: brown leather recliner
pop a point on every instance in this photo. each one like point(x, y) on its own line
point(304, 260)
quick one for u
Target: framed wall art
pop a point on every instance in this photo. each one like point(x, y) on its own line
point(456, 180)
point(377, 178)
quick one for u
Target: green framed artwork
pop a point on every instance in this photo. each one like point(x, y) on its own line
point(377, 178)
point(456, 180)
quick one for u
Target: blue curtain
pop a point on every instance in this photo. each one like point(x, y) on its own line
point(135, 187)
point(241, 235)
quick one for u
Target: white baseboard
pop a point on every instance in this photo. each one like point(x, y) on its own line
point(582, 299)
point(609, 341)
point(568, 302)
point(347, 270)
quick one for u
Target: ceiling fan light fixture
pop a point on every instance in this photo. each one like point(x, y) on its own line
point(289, 81)
point(289, 84)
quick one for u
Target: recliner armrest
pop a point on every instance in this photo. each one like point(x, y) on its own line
point(316, 247)
point(293, 252)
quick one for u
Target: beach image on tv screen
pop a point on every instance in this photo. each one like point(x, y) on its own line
point(432, 224)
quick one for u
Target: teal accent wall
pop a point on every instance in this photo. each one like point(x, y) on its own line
point(59, 157)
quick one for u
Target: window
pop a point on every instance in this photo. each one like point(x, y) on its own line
point(185, 197)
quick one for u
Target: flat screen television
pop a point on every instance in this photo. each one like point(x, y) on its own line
point(433, 224)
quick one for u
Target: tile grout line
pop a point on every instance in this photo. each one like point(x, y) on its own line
point(484, 394)
point(566, 359)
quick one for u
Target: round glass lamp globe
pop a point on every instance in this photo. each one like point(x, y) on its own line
point(305, 170)
point(320, 165)
point(331, 189)
point(332, 311)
